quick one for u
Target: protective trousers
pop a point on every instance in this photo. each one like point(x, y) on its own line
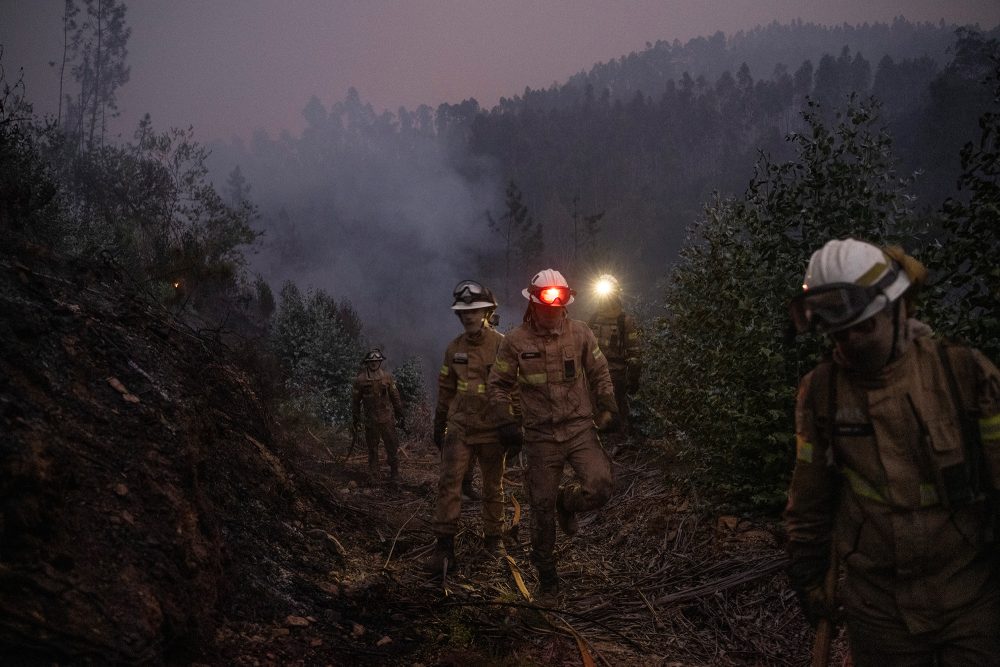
point(386, 432)
point(969, 637)
point(455, 458)
point(590, 489)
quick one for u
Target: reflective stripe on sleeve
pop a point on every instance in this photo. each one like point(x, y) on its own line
point(989, 428)
point(480, 388)
point(534, 378)
point(463, 385)
point(501, 366)
point(597, 353)
point(803, 450)
point(634, 335)
point(444, 371)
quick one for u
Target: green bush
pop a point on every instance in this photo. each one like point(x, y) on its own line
point(964, 299)
point(723, 365)
point(318, 352)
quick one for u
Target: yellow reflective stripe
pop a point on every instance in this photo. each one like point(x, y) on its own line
point(634, 335)
point(481, 389)
point(597, 353)
point(534, 378)
point(501, 366)
point(803, 450)
point(989, 427)
point(463, 385)
point(869, 276)
point(444, 370)
point(861, 486)
point(928, 495)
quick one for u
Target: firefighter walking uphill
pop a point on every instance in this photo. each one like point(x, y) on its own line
point(555, 362)
point(375, 390)
point(465, 426)
point(618, 336)
point(897, 469)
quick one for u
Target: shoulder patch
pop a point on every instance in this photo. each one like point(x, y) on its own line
point(460, 358)
point(531, 355)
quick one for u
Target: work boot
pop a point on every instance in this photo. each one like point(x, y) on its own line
point(444, 550)
point(494, 546)
point(468, 491)
point(394, 476)
point(567, 518)
point(548, 585)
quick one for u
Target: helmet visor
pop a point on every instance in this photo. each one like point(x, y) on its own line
point(831, 307)
point(468, 291)
point(553, 296)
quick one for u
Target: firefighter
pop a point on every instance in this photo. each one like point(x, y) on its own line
point(376, 391)
point(897, 466)
point(555, 362)
point(465, 427)
point(618, 336)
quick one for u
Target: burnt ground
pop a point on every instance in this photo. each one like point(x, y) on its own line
point(154, 509)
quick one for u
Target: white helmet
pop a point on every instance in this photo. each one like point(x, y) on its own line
point(846, 282)
point(549, 288)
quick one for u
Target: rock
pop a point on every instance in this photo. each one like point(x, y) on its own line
point(357, 629)
point(297, 621)
point(385, 640)
point(121, 490)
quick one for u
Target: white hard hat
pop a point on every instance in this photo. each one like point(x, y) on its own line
point(847, 282)
point(549, 288)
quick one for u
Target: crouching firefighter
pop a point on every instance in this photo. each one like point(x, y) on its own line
point(897, 467)
point(556, 362)
point(375, 391)
point(465, 427)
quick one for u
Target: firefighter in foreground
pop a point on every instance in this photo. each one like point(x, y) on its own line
point(556, 363)
point(897, 463)
point(376, 391)
point(465, 426)
point(618, 336)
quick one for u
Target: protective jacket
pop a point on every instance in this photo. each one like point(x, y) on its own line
point(555, 372)
point(462, 403)
point(618, 336)
point(898, 469)
point(377, 393)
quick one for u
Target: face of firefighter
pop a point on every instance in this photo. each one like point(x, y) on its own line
point(472, 320)
point(866, 346)
point(372, 366)
point(548, 317)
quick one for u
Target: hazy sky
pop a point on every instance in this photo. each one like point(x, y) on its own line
point(230, 66)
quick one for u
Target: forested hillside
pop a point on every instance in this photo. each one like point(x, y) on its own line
point(181, 326)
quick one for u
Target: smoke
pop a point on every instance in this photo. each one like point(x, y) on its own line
point(375, 210)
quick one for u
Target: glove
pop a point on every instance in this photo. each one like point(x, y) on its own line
point(805, 574)
point(604, 421)
point(511, 438)
point(815, 606)
point(439, 430)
